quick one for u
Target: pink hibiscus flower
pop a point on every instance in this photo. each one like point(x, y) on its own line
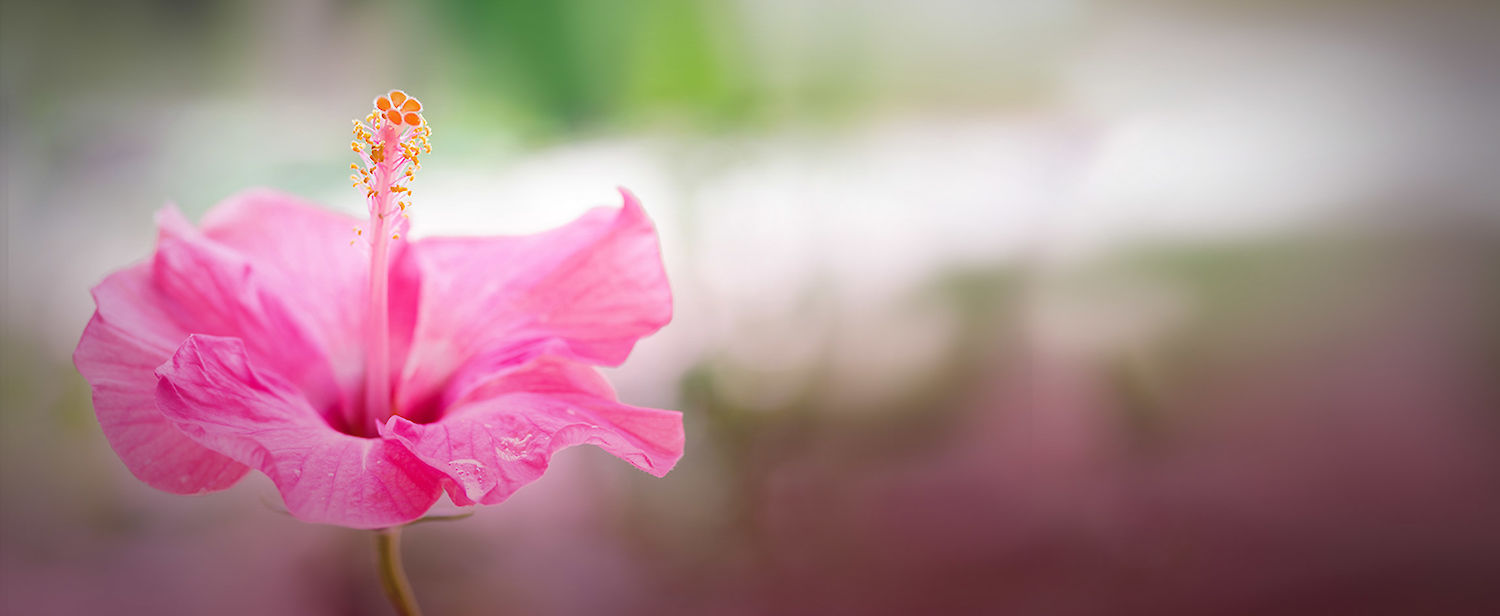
point(366, 380)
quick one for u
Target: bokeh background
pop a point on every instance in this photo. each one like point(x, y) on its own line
point(1021, 307)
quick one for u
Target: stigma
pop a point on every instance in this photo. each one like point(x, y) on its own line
point(390, 142)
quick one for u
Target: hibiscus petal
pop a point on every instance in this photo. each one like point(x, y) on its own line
point(310, 266)
point(586, 291)
point(128, 337)
point(192, 284)
point(213, 289)
point(503, 435)
point(212, 393)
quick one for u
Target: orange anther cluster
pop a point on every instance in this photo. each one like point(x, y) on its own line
point(417, 145)
point(395, 121)
point(362, 137)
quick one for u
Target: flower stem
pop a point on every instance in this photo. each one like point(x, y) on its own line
point(392, 574)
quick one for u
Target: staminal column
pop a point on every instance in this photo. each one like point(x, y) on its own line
point(389, 143)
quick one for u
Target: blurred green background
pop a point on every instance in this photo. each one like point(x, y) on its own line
point(1074, 307)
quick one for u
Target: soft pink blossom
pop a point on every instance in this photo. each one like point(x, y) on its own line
point(254, 341)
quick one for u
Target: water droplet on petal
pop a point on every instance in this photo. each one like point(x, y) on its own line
point(472, 476)
point(515, 448)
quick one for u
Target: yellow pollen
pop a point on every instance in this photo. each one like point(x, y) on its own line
point(395, 120)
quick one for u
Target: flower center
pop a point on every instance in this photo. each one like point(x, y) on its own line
point(389, 142)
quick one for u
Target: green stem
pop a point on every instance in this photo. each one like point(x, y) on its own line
point(392, 575)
